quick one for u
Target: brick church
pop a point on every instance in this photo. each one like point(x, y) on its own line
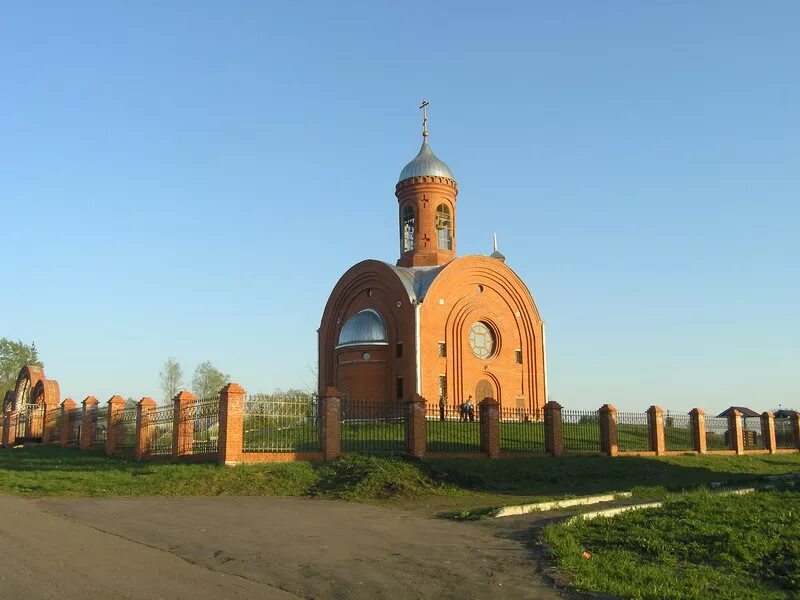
point(434, 323)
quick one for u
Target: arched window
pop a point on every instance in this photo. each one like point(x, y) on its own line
point(444, 227)
point(407, 228)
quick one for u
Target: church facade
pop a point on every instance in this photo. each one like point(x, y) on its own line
point(434, 324)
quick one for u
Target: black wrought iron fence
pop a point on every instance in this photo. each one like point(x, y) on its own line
point(751, 433)
point(581, 430)
point(126, 428)
point(204, 414)
point(99, 421)
point(161, 422)
point(520, 432)
point(449, 429)
point(633, 432)
point(717, 434)
point(677, 432)
point(373, 427)
point(75, 424)
point(281, 423)
point(784, 436)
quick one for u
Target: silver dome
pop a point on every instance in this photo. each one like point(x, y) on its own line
point(426, 163)
point(365, 327)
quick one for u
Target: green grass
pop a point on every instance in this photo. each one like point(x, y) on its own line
point(442, 485)
point(699, 546)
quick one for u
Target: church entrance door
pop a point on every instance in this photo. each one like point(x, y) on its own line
point(484, 389)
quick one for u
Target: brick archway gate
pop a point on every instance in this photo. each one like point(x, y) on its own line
point(28, 409)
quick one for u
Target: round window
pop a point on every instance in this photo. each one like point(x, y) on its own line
point(366, 356)
point(481, 340)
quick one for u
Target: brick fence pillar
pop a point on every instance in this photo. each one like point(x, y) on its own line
point(230, 438)
point(145, 430)
point(330, 432)
point(768, 432)
point(490, 427)
point(795, 421)
point(697, 425)
point(735, 431)
point(116, 404)
point(416, 427)
point(49, 421)
point(182, 425)
point(89, 426)
point(553, 429)
point(655, 426)
point(608, 430)
point(8, 436)
point(68, 407)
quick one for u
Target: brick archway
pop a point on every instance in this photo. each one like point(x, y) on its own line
point(29, 376)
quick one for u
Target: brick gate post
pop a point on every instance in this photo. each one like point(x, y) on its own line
point(116, 404)
point(89, 426)
point(768, 432)
point(144, 427)
point(655, 426)
point(553, 429)
point(230, 440)
point(608, 430)
point(330, 432)
point(795, 421)
point(68, 407)
point(7, 419)
point(49, 421)
point(697, 423)
point(490, 427)
point(735, 431)
point(416, 427)
point(182, 424)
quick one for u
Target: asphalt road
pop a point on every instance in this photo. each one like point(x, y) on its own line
point(254, 547)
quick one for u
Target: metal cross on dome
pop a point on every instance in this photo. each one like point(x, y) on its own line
point(424, 107)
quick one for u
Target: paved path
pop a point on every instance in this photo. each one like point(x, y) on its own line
point(257, 547)
point(46, 557)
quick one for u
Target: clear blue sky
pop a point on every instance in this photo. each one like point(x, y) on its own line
point(191, 178)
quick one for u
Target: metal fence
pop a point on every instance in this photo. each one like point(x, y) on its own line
point(450, 430)
point(633, 432)
point(717, 433)
point(751, 433)
point(519, 432)
point(204, 415)
point(784, 436)
point(99, 420)
point(280, 423)
point(126, 428)
point(161, 422)
point(75, 425)
point(581, 430)
point(373, 427)
point(677, 432)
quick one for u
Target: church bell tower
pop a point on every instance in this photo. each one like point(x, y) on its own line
point(426, 195)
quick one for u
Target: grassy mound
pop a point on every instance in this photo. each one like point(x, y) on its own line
point(697, 547)
point(363, 478)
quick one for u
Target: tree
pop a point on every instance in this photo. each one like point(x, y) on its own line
point(208, 380)
point(14, 356)
point(171, 378)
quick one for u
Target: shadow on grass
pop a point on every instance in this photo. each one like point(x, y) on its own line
point(582, 475)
